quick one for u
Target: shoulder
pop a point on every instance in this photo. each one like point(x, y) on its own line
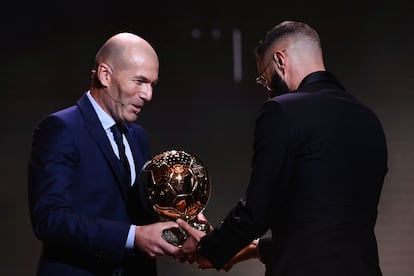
point(63, 117)
point(281, 105)
point(136, 129)
point(138, 133)
point(56, 133)
point(297, 98)
point(273, 116)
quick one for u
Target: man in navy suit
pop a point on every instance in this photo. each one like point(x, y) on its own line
point(318, 167)
point(86, 207)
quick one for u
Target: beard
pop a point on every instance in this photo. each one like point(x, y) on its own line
point(278, 86)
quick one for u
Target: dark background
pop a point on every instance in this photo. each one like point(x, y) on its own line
point(47, 52)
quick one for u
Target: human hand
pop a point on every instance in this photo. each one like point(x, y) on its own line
point(148, 238)
point(188, 252)
point(201, 218)
point(248, 252)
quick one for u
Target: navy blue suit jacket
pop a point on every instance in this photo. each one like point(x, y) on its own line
point(79, 208)
point(319, 163)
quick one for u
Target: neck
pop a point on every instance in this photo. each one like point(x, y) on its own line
point(302, 72)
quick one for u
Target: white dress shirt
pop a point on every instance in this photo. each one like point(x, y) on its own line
point(107, 122)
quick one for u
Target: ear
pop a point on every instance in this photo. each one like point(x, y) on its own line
point(279, 59)
point(104, 73)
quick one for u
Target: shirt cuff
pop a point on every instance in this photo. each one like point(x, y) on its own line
point(131, 238)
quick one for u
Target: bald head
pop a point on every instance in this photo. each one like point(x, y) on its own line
point(126, 70)
point(118, 50)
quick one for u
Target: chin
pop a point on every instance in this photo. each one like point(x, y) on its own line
point(134, 116)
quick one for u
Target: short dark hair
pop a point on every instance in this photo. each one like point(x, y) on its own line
point(285, 29)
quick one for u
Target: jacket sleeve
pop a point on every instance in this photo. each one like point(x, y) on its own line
point(252, 215)
point(265, 249)
point(52, 166)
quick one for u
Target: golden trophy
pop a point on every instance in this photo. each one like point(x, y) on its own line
point(178, 186)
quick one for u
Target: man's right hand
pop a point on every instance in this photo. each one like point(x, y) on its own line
point(148, 238)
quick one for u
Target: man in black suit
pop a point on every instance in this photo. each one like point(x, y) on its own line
point(318, 167)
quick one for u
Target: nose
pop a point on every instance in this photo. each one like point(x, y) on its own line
point(146, 92)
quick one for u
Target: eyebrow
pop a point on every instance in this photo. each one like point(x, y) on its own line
point(144, 79)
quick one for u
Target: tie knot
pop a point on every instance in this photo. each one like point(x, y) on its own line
point(119, 127)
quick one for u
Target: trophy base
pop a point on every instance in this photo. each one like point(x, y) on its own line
point(177, 236)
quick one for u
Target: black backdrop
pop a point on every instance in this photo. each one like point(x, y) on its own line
point(47, 52)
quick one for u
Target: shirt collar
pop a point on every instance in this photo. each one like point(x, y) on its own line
point(106, 120)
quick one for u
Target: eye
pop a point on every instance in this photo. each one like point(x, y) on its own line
point(139, 81)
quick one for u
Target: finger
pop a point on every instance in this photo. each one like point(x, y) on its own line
point(204, 263)
point(227, 268)
point(192, 231)
point(178, 255)
point(189, 246)
point(206, 266)
point(202, 218)
point(169, 224)
point(181, 223)
point(184, 258)
point(188, 258)
point(169, 249)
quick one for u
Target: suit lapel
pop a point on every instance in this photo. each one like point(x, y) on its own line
point(96, 130)
point(136, 152)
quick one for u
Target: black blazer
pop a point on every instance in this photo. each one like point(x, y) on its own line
point(319, 163)
point(79, 208)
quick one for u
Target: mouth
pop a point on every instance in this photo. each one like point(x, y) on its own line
point(136, 108)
